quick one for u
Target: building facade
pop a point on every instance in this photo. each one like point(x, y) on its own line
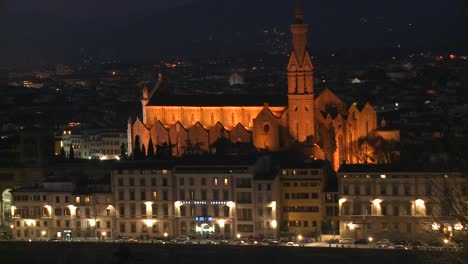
point(385, 202)
point(103, 144)
point(56, 209)
point(303, 201)
point(200, 197)
point(323, 122)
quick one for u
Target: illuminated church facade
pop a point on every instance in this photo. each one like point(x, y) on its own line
point(321, 121)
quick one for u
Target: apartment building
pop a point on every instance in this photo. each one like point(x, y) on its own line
point(302, 188)
point(394, 202)
point(59, 209)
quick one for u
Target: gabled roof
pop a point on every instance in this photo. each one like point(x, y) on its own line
point(216, 100)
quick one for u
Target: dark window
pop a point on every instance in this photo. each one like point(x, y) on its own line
point(407, 189)
point(383, 209)
point(357, 189)
point(368, 189)
point(143, 210)
point(183, 211)
point(383, 189)
point(132, 210)
point(122, 210)
point(395, 189)
point(346, 189)
point(154, 208)
point(225, 195)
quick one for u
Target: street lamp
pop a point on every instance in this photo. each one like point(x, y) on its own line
point(165, 235)
point(238, 236)
point(370, 239)
point(299, 238)
point(446, 241)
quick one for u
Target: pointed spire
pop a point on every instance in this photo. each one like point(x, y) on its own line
point(299, 12)
point(129, 121)
point(145, 93)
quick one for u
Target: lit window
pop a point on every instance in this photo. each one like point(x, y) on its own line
point(164, 171)
point(226, 181)
point(215, 181)
point(155, 196)
point(78, 199)
point(87, 199)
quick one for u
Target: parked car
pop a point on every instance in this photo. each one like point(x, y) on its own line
point(361, 241)
point(383, 241)
point(224, 242)
point(416, 244)
point(181, 239)
point(292, 244)
point(401, 247)
point(346, 241)
point(333, 241)
point(132, 240)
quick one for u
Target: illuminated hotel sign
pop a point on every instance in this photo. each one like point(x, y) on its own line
point(204, 219)
point(203, 202)
point(204, 228)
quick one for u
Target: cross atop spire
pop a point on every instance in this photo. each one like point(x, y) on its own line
point(299, 12)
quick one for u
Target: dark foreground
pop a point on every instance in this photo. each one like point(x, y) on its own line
point(89, 253)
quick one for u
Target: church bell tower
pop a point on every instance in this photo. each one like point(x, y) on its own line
point(300, 82)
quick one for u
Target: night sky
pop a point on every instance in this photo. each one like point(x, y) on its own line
point(51, 31)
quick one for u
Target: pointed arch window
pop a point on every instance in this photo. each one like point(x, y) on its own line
point(173, 118)
point(249, 120)
point(192, 119)
point(212, 119)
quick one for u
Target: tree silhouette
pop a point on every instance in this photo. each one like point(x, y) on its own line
point(72, 153)
point(136, 149)
point(164, 151)
point(143, 152)
point(63, 154)
point(123, 153)
point(151, 154)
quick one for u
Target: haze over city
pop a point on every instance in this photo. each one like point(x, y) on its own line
point(51, 31)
